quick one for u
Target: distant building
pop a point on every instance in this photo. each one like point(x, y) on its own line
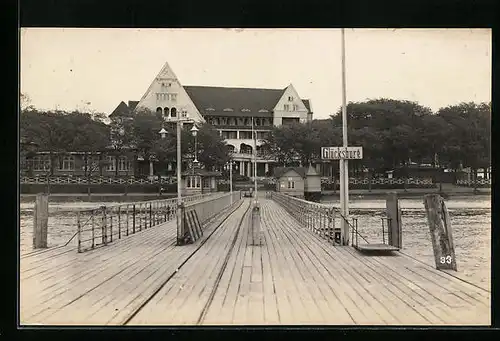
point(299, 182)
point(230, 110)
point(199, 181)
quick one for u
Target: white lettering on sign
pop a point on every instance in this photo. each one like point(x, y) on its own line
point(338, 153)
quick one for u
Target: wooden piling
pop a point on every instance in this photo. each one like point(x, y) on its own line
point(40, 221)
point(255, 221)
point(394, 225)
point(441, 234)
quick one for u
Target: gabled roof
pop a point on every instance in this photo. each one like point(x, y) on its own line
point(311, 171)
point(306, 103)
point(237, 99)
point(121, 110)
point(132, 105)
point(280, 171)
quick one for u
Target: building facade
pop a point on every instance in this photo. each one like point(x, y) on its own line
point(231, 111)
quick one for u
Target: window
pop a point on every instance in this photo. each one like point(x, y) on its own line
point(206, 183)
point(228, 109)
point(229, 134)
point(295, 107)
point(245, 110)
point(123, 164)
point(40, 162)
point(263, 110)
point(166, 111)
point(173, 112)
point(193, 182)
point(290, 98)
point(210, 109)
point(111, 163)
point(287, 107)
point(173, 97)
point(245, 135)
point(159, 111)
point(291, 184)
point(68, 163)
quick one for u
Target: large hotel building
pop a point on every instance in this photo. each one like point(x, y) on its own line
point(229, 110)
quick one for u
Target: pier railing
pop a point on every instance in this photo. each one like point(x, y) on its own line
point(318, 218)
point(196, 215)
point(103, 225)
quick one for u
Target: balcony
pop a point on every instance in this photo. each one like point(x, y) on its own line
point(249, 156)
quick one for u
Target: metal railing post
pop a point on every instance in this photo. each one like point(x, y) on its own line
point(119, 222)
point(111, 228)
point(93, 233)
point(150, 215)
point(127, 219)
point(133, 218)
point(79, 231)
point(105, 218)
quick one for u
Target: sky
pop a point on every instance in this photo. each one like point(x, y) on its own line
point(95, 69)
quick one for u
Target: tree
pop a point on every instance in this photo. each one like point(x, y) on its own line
point(468, 139)
point(59, 132)
point(393, 130)
point(213, 151)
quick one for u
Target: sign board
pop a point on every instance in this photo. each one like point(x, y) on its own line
point(338, 153)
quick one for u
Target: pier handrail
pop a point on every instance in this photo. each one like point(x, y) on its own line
point(314, 214)
point(207, 209)
point(127, 218)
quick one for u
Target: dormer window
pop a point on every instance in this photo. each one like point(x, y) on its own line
point(228, 109)
point(290, 98)
point(245, 110)
point(210, 109)
point(263, 110)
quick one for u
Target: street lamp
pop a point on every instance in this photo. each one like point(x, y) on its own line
point(230, 164)
point(163, 133)
point(178, 120)
point(194, 131)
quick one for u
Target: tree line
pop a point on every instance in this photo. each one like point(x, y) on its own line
point(58, 132)
point(393, 134)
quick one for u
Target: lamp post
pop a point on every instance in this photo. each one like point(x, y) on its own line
point(178, 120)
point(194, 132)
point(230, 164)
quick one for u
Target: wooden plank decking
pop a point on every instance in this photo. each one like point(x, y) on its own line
point(295, 277)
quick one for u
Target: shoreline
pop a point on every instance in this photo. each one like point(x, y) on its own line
point(353, 194)
point(381, 194)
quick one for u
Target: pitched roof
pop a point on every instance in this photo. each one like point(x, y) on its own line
point(237, 99)
point(311, 170)
point(306, 103)
point(132, 105)
point(280, 171)
point(121, 110)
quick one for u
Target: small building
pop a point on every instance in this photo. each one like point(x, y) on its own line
point(290, 180)
point(300, 182)
point(199, 181)
point(312, 186)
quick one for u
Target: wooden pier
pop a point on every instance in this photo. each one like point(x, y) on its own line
point(294, 277)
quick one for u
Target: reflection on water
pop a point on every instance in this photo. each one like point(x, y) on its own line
point(470, 219)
